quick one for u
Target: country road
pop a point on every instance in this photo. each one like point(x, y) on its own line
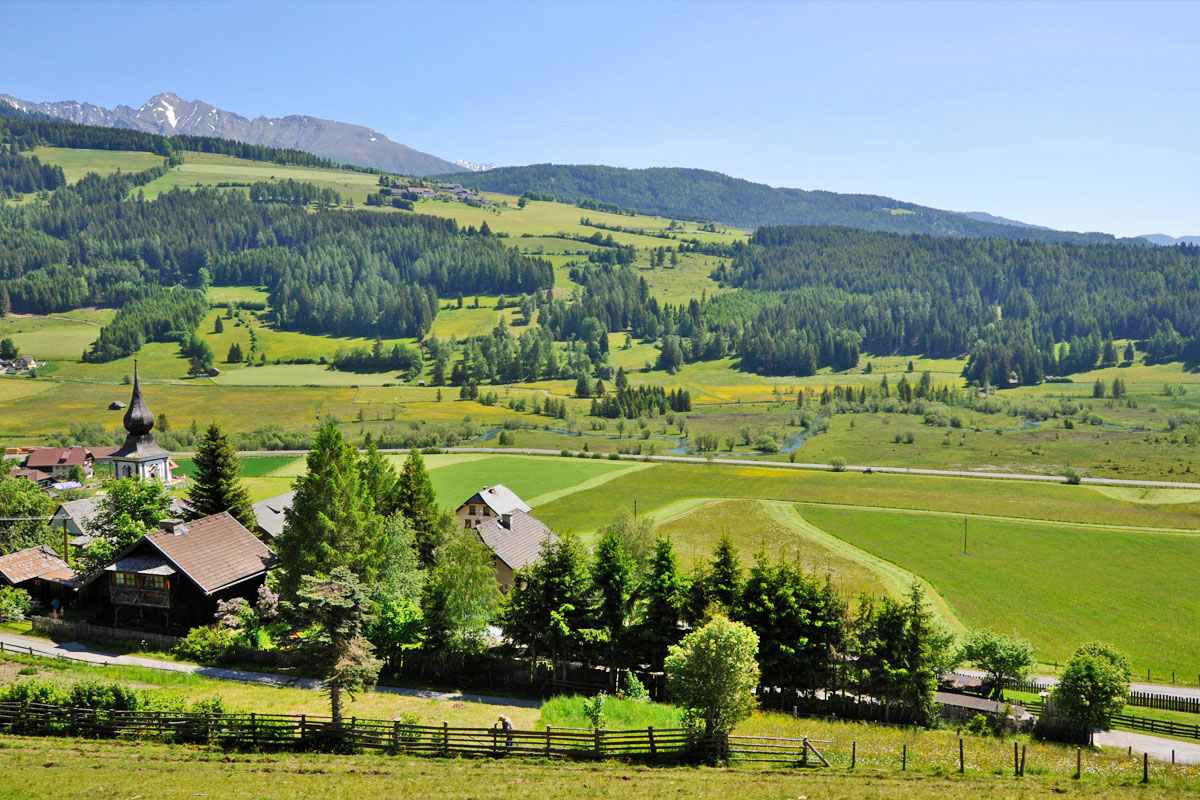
point(747, 462)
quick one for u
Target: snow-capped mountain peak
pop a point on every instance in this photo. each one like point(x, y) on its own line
point(168, 114)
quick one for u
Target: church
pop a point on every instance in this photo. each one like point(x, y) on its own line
point(140, 456)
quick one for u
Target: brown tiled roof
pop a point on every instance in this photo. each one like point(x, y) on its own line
point(33, 563)
point(214, 552)
point(519, 544)
point(47, 457)
point(103, 452)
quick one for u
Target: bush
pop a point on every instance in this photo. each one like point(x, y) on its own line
point(103, 696)
point(634, 690)
point(766, 444)
point(1071, 476)
point(15, 604)
point(593, 710)
point(34, 692)
point(837, 464)
point(206, 646)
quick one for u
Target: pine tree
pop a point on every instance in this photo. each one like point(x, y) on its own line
point(415, 499)
point(379, 478)
point(613, 579)
point(217, 484)
point(583, 387)
point(1129, 353)
point(219, 326)
point(665, 596)
point(332, 521)
point(235, 352)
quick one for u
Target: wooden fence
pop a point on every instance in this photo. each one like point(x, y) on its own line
point(304, 732)
point(1165, 702)
point(1130, 722)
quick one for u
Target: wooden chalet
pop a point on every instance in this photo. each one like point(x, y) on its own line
point(40, 572)
point(502, 521)
point(173, 578)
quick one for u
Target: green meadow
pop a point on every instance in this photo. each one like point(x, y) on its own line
point(1057, 586)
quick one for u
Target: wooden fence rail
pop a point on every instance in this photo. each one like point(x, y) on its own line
point(1130, 722)
point(316, 732)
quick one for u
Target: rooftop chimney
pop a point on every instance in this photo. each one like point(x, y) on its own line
point(172, 525)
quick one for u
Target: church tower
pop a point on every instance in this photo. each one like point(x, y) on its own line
point(141, 456)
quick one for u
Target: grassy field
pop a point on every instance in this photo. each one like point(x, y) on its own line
point(79, 162)
point(670, 483)
point(758, 526)
point(123, 768)
point(1072, 592)
point(53, 337)
point(126, 769)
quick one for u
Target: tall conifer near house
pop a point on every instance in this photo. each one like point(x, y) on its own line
point(379, 478)
point(217, 485)
point(418, 503)
point(332, 521)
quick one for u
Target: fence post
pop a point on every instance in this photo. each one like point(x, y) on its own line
point(1078, 763)
point(853, 754)
point(1145, 768)
point(804, 753)
point(904, 759)
point(303, 728)
point(1016, 760)
point(654, 751)
point(445, 737)
point(1022, 761)
point(599, 737)
point(253, 729)
point(395, 736)
point(547, 740)
point(962, 764)
point(493, 740)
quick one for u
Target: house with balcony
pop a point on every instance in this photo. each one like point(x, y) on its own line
point(173, 578)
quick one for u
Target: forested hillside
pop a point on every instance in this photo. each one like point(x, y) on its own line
point(1007, 302)
point(329, 270)
point(703, 195)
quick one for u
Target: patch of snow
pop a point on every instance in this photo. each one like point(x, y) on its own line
point(169, 110)
point(372, 138)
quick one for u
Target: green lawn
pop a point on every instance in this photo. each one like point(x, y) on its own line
point(669, 483)
point(773, 528)
point(52, 337)
point(529, 476)
point(79, 162)
point(1057, 586)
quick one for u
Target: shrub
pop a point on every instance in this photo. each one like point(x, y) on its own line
point(766, 444)
point(837, 464)
point(593, 709)
point(34, 692)
point(1071, 476)
point(103, 696)
point(15, 604)
point(206, 646)
point(634, 690)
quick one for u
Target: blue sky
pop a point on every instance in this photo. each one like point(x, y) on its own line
point(1081, 116)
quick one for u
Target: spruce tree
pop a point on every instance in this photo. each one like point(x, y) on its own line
point(613, 578)
point(665, 597)
point(379, 478)
point(217, 485)
point(332, 521)
point(415, 499)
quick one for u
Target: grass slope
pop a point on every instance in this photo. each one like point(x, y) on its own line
point(1073, 584)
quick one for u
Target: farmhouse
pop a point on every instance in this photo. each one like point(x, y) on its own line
point(269, 514)
point(56, 462)
point(72, 518)
point(40, 572)
point(173, 578)
point(502, 521)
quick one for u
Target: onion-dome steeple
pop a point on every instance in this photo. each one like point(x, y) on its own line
point(139, 419)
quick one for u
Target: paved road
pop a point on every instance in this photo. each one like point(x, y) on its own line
point(1155, 746)
point(80, 652)
point(1166, 689)
point(744, 462)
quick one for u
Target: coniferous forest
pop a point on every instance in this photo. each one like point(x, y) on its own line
point(807, 297)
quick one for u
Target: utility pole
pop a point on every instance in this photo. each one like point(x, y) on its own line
point(635, 508)
point(964, 536)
